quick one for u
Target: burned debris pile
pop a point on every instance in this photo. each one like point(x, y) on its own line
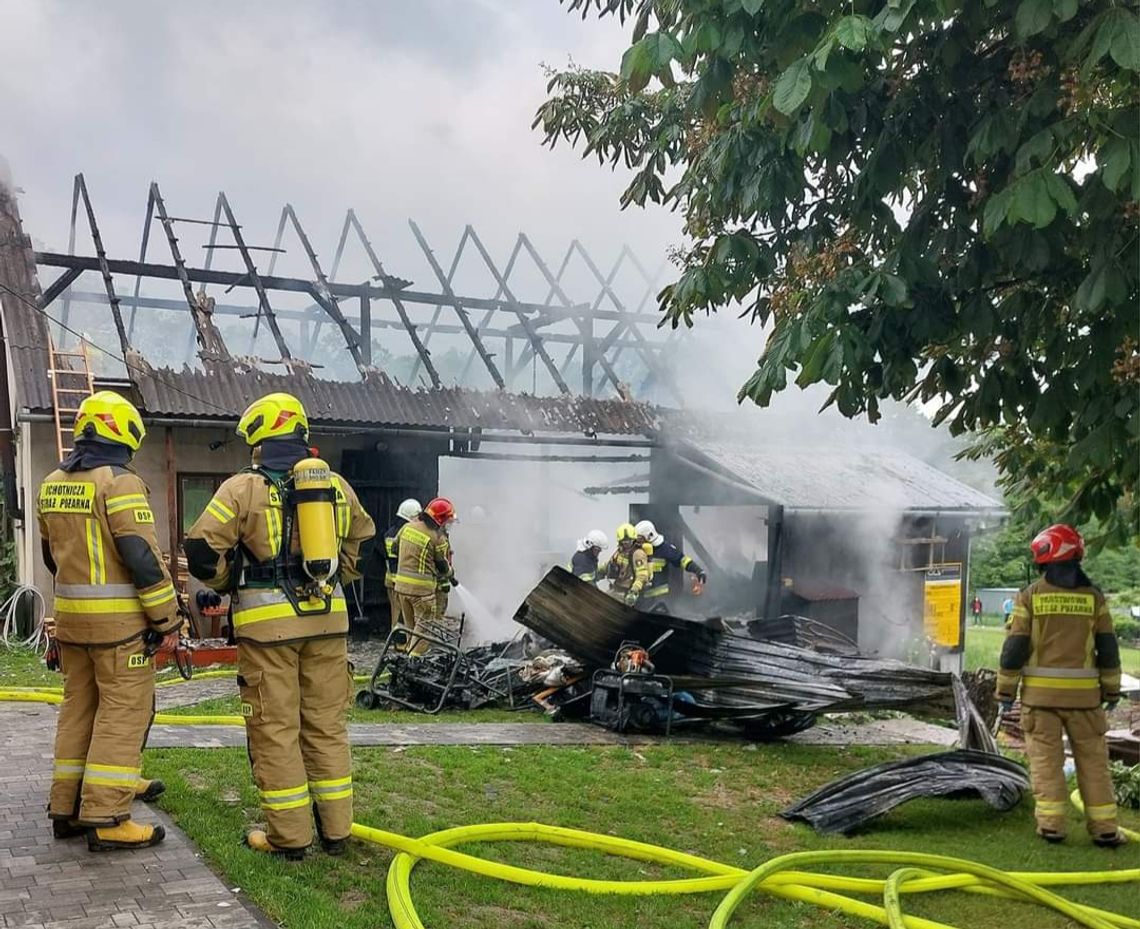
point(718, 670)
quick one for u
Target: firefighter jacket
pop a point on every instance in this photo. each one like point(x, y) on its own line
point(237, 543)
point(629, 569)
point(446, 579)
point(111, 582)
point(391, 552)
point(661, 558)
point(584, 565)
point(1061, 647)
point(424, 563)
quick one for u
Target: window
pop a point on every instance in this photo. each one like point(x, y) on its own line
point(194, 492)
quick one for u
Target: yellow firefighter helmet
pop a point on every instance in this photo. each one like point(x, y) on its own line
point(626, 532)
point(274, 416)
point(110, 417)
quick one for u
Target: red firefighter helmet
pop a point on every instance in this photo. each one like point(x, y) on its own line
point(1057, 543)
point(441, 510)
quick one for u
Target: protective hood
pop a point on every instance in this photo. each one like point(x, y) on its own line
point(282, 454)
point(1067, 574)
point(89, 454)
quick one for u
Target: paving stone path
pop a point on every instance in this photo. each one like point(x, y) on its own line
point(59, 884)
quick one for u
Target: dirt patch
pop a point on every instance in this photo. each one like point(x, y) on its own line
point(353, 898)
point(196, 781)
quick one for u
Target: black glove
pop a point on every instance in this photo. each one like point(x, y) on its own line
point(1006, 707)
point(454, 582)
point(207, 599)
point(704, 578)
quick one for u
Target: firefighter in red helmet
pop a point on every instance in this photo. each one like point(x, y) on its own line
point(1061, 648)
point(423, 568)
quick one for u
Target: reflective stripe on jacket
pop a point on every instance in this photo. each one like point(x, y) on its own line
point(629, 571)
point(391, 552)
point(1061, 647)
point(111, 580)
point(248, 510)
point(422, 561)
point(660, 559)
point(584, 565)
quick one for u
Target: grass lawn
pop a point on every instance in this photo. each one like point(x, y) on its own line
point(20, 667)
point(983, 648)
point(716, 800)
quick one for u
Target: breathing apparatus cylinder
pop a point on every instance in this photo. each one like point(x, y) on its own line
point(315, 499)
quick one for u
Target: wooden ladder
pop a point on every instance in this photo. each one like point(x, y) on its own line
point(71, 382)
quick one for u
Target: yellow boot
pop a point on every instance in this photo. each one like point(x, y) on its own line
point(127, 834)
point(259, 842)
point(148, 791)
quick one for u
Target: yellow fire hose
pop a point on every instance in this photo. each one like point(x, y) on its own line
point(916, 872)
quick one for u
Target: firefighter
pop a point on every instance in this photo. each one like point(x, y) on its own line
point(114, 603)
point(663, 555)
point(628, 569)
point(1062, 649)
point(406, 511)
point(584, 564)
point(424, 564)
point(446, 582)
point(282, 537)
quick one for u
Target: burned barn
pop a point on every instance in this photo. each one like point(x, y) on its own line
point(457, 384)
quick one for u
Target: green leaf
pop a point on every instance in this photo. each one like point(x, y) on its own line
point(1064, 10)
point(1032, 202)
point(1038, 149)
point(751, 7)
point(793, 87)
point(854, 32)
point(1115, 159)
point(816, 357)
point(997, 211)
point(1032, 17)
point(1125, 47)
point(1090, 295)
point(647, 57)
point(1061, 192)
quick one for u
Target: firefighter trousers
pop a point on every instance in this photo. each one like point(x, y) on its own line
point(295, 698)
point(108, 705)
point(1045, 729)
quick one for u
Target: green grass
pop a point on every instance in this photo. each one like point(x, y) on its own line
point(716, 800)
point(231, 706)
point(22, 668)
point(983, 648)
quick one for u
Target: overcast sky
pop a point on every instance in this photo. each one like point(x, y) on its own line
point(400, 108)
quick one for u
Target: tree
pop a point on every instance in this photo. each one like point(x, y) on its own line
point(930, 200)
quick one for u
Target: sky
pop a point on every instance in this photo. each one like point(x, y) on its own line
point(400, 109)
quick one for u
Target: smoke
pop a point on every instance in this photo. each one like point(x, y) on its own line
point(518, 519)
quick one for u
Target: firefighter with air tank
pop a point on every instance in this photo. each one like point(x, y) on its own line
point(114, 604)
point(408, 510)
point(1061, 648)
point(281, 537)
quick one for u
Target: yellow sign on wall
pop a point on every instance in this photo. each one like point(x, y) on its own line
point(942, 605)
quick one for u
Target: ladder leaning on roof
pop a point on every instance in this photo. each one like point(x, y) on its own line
point(71, 382)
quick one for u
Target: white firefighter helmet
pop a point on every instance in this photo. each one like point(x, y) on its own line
point(409, 509)
point(595, 538)
point(646, 530)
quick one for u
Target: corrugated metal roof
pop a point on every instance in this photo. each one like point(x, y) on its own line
point(378, 401)
point(25, 331)
point(839, 478)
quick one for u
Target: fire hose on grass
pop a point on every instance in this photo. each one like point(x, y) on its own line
point(916, 872)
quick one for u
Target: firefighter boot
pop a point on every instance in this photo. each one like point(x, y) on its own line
point(1110, 839)
point(149, 790)
point(67, 829)
point(127, 834)
point(259, 842)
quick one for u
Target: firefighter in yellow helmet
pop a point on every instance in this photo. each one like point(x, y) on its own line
point(628, 569)
point(1062, 649)
point(281, 537)
point(114, 603)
